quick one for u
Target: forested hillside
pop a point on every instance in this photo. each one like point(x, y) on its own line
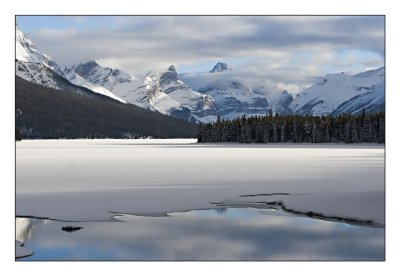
point(46, 113)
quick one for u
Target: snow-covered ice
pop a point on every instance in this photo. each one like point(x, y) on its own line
point(77, 180)
point(21, 251)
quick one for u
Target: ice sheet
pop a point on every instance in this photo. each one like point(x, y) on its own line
point(21, 251)
point(87, 179)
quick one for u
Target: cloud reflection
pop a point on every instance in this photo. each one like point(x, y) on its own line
point(237, 234)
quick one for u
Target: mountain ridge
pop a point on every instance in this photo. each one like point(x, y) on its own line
point(202, 97)
point(48, 113)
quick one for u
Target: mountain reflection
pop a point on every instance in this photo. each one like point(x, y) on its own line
point(25, 226)
point(230, 234)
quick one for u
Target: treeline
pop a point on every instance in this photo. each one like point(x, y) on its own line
point(345, 128)
point(46, 113)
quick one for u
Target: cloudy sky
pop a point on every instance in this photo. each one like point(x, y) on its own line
point(282, 52)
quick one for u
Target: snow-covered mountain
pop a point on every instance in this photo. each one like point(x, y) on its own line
point(202, 97)
point(160, 91)
point(329, 94)
point(106, 77)
point(281, 103)
point(202, 106)
point(38, 73)
point(39, 68)
point(26, 51)
point(144, 92)
point(78, 80)
point(220, 67)
point(232, 98)
point(371, 101)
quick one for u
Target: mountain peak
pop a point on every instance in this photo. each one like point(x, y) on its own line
point(85, 68)
point(169, 76)
point(220, 67)
point(172, 68)
point(339, 75)
point(106, 77)
point(89, 62)
point(26, 51)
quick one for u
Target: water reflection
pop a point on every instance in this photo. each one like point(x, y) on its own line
point(219, 234)
point(25, 226)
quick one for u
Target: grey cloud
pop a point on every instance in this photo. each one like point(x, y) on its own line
point(142, 43)
point(364, 33)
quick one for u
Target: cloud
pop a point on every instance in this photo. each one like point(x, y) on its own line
point(288, 50)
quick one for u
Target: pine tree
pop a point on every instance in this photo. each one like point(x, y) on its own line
point(314, 133)
point(283, 125)
point(274, 132)
point(295, 138)
point(381, 131)
point(267, 132)
point(200, 138)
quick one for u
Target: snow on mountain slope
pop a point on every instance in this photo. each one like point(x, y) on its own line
point(40, 74)
point(202, 97)
point(330, 92)
point(106, 77)
point(78, 80)
point(199, 104)
point(232, 98)
point(144, 92)
point(39, 68)
point(160, 91)
point(281, 104)
point(26, 51)
point(371, 101)
point(220, 67)
point(37, 73)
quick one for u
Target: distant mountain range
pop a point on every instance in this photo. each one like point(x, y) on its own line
point(55, 103)
point(338, 93)
point(201, 97)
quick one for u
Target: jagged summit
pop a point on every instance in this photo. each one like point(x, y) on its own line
point(39, 68)
point(220, 67)
point(169, 76)
point(106, 77)
point(91, 62)
point(26, 51)
point(172, 68)
point(85, 68)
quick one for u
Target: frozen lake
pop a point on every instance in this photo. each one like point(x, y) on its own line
point(93, 180)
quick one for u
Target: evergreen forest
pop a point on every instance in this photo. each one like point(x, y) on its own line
point(344, 128)
point(46, 113)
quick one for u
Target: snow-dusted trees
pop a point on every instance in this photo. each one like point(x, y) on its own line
point(344, 128)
